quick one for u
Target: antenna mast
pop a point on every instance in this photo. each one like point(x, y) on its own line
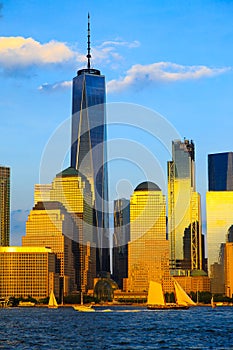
point(88, 44)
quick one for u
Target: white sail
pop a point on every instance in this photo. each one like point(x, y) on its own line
point(182, 297)
point(52, 301)
point(155, 294)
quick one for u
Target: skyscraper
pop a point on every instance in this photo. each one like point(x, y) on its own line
point(88, 149)
point(148, 248)
point(4, 206)
point(220, 171)
point(120, 240)
point(184, 209)
point(74, 192)
point(50, 225)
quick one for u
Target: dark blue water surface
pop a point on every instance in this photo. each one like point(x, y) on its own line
point(123, 328)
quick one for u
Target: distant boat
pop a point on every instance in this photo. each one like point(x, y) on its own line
point(52, 301)
point(82, 307)
point(26, 303)
point(156, 300)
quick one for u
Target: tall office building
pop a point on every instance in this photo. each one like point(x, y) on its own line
point(184, 210)
point(219, 215)
point(148, 249)
point(89, 150)
point(5, 206)
point(49, 225)
point(120, 240)
point(74, 192)
point(220, 171)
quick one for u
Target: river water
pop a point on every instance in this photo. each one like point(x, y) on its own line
point(122, 328)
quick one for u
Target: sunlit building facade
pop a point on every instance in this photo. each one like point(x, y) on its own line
point(148, 249)
point(219, 218)
point(4, 206)
point(27, 271)
point(89, 149)
point(184, 210)
point(121, 238)
point(42, 193)
point(194, 284)
point(74, 192)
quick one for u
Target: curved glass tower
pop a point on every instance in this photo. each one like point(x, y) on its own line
point(89, 151)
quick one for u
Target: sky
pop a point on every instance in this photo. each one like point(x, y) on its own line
point(170, 57)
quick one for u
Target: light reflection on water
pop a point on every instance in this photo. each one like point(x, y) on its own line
point(121, 328)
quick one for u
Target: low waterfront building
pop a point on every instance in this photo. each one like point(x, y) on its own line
point(27, 271)
point(194, 283)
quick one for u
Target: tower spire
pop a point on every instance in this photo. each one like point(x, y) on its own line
point(88, 44)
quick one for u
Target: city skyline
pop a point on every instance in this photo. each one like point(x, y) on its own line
point(184, 75)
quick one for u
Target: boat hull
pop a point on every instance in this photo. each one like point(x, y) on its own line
point(167, 307)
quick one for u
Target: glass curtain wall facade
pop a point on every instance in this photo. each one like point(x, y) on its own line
point(4, 206)
point(89, 152)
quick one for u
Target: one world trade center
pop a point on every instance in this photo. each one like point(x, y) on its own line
point(89, 149)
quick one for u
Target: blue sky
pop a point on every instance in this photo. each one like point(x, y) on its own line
point(174, 57)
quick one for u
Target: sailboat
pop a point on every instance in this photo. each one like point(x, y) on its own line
point(82, 307)
point(156, 300)
point(52, 301)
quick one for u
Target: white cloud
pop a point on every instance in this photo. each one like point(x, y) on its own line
point(139, 75)
point(16, 52)
point(107, 53)
point(56, 86)
point(130, 45)
point(162, 72)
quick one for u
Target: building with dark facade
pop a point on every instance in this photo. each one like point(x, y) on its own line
point(5, 206)
point(220, 171)
point(88, 149)
point(120, 240)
